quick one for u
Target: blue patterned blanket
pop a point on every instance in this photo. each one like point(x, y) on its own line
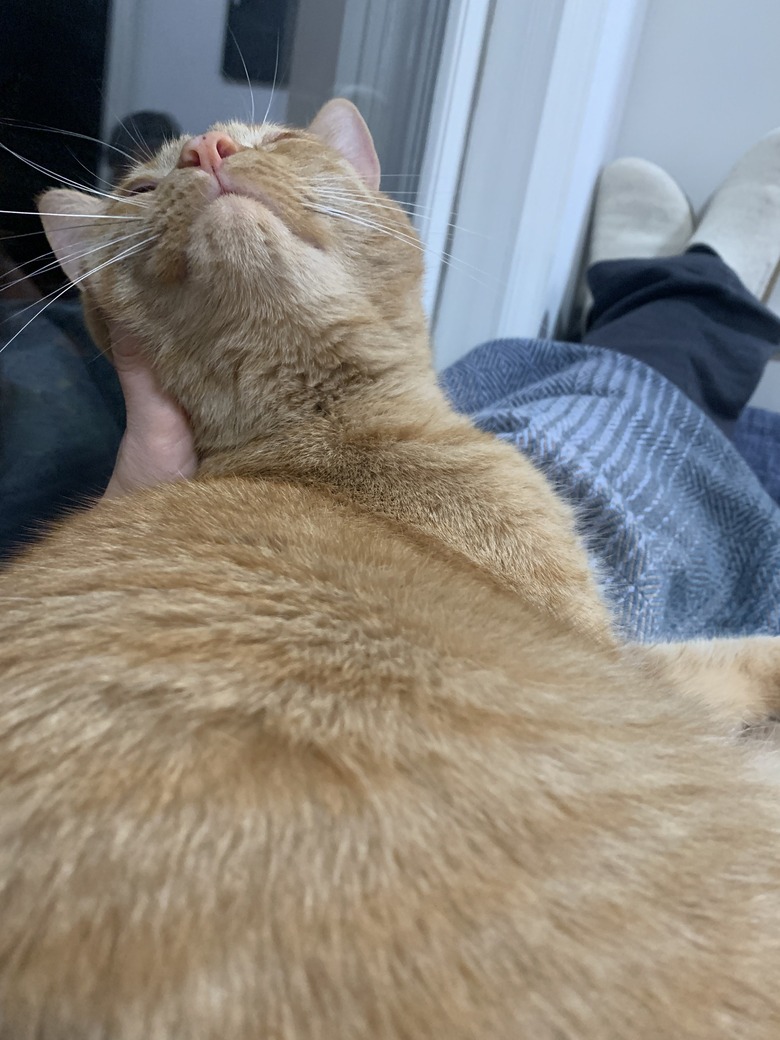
point(686, 539)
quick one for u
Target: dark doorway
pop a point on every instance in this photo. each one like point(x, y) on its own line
point(52, 59)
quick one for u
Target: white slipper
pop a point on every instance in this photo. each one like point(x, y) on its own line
point(741, 222)
point(639, 212)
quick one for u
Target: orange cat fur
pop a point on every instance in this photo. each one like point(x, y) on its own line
point(335, 740)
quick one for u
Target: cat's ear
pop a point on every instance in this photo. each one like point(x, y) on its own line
point(63, 215)
point(339, 124)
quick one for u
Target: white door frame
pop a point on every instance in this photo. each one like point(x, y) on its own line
point(568, 108)
point(594, 58)
point(461, 55)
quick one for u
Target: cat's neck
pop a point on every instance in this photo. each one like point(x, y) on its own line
point(389, 442)
point(273, 407)
point(308, 418)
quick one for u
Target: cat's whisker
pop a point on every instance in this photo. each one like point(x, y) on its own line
point(57, 262)
point(53, 297)
point(417, 211)
point(67, 133)
point(47, 213)
point(33, 260)
point(30, 234)
point(25, 234)
point(26, 277)
point(246, 73)
point(476, 274)
point(85, 167)
point(388, 176)
point(135, 247)
point(36, 303)
point(358, 200)
point(451, 261)
point(383, 199)
point(273, 85)
point(372, 224)
point(67, 180)
point(390, 194)
point(143, 148)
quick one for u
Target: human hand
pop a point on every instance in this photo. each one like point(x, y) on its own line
point(158, 446)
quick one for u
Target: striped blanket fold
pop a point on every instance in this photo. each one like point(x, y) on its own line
point(685, 538)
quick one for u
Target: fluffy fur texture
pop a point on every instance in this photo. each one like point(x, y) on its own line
point(335, 740)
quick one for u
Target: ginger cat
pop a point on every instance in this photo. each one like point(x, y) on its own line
point(335, 742)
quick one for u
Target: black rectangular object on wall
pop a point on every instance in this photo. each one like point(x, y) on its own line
point(260, 32)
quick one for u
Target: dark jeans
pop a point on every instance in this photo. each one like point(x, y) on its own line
point(690, 318)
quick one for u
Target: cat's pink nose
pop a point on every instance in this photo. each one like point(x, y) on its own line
point(207, 151)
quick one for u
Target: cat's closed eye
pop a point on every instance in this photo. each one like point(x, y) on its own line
point(139, 188)
point(284, 135)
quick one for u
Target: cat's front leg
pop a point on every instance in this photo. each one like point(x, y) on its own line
point(738, 679)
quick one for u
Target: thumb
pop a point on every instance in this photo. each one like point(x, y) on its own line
point(158, 444)
point(151, 413)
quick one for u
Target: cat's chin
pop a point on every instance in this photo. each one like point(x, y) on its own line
point(232, 206)
point(233, 237)
point(228, 186)
point(239, 221)
point(257, 218)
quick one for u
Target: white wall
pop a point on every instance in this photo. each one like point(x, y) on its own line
point(705, 87)
point(174, 64)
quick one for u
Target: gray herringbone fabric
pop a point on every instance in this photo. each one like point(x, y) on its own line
point(686, 540)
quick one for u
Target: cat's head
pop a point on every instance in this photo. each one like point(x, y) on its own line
point(254, 263)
